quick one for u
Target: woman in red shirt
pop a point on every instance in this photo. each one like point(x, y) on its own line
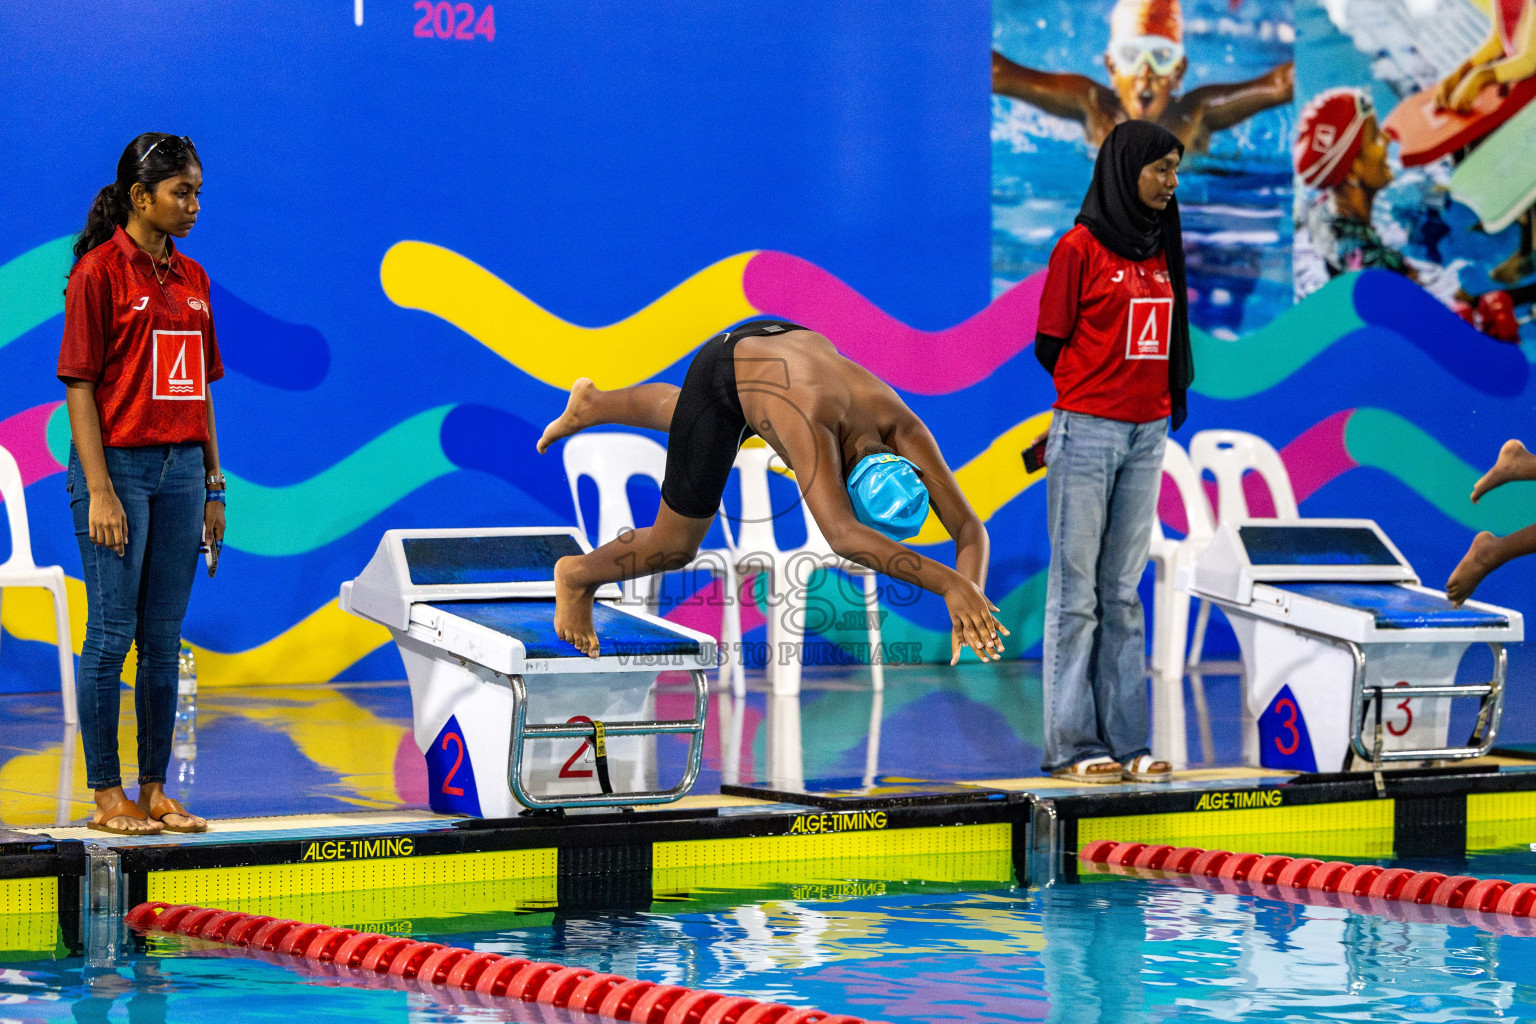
point(1114, 332)
point(137, 357)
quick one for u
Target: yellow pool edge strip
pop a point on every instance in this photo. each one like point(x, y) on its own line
point(1357, 828)
point(216, 886)
point(29, 915)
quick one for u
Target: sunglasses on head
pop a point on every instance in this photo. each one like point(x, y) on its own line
point(1160, 53)
point(170, 142)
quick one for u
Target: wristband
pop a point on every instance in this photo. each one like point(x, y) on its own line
point(217, 496)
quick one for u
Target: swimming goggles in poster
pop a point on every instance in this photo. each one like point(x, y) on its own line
point(1160, 53)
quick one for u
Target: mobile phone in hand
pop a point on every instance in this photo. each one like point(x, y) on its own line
point(210, 550)
point(1034, 457)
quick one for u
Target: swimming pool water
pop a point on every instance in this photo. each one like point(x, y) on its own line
point(1109, 950)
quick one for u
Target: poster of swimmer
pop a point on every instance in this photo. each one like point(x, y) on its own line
point(1414, 131)
point(1217, 73)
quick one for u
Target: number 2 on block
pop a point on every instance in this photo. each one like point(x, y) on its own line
point(445, 20)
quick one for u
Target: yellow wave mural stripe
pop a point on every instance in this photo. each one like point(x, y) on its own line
point(994, 477)
point(419, 275)
point(317, 648)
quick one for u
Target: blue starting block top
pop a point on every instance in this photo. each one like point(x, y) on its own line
point(532, 623)
point(1398, 607)
point(496, 558)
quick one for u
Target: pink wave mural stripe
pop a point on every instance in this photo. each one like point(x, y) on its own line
point(1170, 507)
point(702, 610)
point(25, 436)
point(1318, 455)
point(912, 360)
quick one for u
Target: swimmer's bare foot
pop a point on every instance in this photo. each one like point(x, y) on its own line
point(1480, 559)
point(1514, 463)
point(574, 419)
point(573, 609)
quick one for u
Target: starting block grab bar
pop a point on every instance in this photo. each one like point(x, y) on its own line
point(522, 732)
point(1364, 699)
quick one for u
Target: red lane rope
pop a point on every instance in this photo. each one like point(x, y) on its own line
point(486, 974)
point(1366, 888)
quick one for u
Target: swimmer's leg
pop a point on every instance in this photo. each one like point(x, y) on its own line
point(1514, 463)
point(648, 406)
point(671, 543)
point(1486, 554)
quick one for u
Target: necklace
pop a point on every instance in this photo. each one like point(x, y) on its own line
point(160, 265)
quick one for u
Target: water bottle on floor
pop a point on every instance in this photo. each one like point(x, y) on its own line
point(184, 738)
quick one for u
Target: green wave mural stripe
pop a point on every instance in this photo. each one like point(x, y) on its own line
point(1386, 441)
point(1259, 360)
point(278, 521)
point(32, 287)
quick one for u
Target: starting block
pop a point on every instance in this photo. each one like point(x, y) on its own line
point(1344, 654)
point(496, 694)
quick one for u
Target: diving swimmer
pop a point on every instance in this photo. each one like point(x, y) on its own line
point(867, 467)
point(1146, 64)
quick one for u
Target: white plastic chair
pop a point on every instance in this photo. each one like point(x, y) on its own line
point(20, 571)
point(610, 460)
point(1229, 455)
point(1173, 560)
point(756, 549)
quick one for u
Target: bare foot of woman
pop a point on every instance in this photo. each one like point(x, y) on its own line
point(573, 420)
point(1479, 561)
point(573, 610)
point(1514, 463)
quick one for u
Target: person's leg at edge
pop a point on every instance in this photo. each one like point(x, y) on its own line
point(1081, 460)
point(1121, 684)
point(1513, 463)
point(170, 565)
point(648, 406)
point(1486, 554)
point(670, 543)
point(111, 588)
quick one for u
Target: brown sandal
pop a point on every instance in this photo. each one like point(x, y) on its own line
point(1091, 770)
point(170, 805)
point(124, 808)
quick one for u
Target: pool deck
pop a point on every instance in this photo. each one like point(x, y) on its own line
point(395, 869)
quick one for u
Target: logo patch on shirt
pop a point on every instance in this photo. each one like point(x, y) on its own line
point(1148, 329)
point(180, 375)
point(142, 303)
point(197, 303)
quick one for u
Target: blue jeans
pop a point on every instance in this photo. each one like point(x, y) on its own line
point(137, 597)
point(1101, 494)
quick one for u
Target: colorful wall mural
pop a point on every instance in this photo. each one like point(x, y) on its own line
point(418, 243)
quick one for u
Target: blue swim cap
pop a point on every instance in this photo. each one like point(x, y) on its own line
point(888, 495)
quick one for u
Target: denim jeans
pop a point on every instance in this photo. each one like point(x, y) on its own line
point(1101, 494)
point(137, 597)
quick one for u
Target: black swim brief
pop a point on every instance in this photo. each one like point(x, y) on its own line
point(708, 426)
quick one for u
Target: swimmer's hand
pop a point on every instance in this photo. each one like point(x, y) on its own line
point(972, 623)
point(1449, 83)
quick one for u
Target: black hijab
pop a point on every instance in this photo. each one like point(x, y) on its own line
point(1113, 211)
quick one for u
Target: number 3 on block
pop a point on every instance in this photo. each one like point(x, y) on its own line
point(445, 20)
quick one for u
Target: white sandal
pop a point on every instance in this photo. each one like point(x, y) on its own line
point(1145, 768)
point(1092, 770)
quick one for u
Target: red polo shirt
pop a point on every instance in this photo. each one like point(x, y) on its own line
point(149, 347)
point(1116, 316)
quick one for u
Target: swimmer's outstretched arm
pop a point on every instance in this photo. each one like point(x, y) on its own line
point(913, 440)
point(1076, 97)
point(971, 620)
point(1228, 103)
